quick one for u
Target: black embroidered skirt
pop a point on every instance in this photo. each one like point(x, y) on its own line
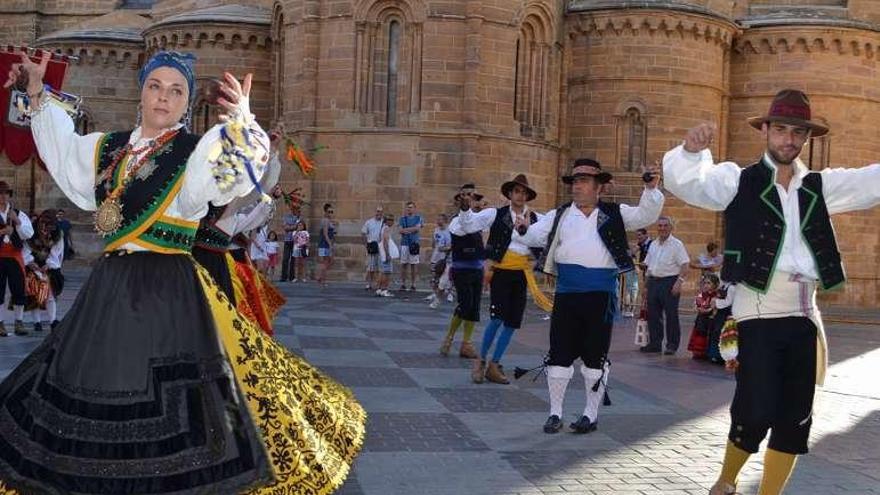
point(215, 263)
point(153, 383)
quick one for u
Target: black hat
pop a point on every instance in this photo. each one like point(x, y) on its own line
point(519, 180)
point(586, 167)
point(4, 187)
point(475, 195)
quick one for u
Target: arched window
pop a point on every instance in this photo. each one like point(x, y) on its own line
point(534, 67)
point(393, 63)
point(388, 61)
point(635, 139)
point(278, 45)
point(631, 136)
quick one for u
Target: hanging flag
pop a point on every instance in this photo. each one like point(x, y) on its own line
point(15, 132)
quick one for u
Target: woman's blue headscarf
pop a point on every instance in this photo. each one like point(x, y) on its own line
point(182, 62)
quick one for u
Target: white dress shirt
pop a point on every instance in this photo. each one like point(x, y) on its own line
point(665, 258)
point(695, 178)
point(25, 229)
point(470, 222)
point(578, 241)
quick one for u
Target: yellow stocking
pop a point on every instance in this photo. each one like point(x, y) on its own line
point(778, 467)
point(734, 460)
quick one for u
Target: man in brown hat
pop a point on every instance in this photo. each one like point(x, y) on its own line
point(586, 249)
point(510, 267)
point(780, 247)
point(15, 228)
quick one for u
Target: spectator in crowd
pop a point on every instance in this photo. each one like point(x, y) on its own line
point(257, 249)
point(291, 218)
point(388, 252)
point(630, 300)
point(272, 252)
point(667, 262)
point(704, 305)
point(326, 242)
point(410, 227)
point(441, 247)
point(66, 227)
point(643, 242)
point(710, 261)
point(301, 250)
point(371, 233)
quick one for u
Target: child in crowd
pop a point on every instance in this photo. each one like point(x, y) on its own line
point(43, 255)
point(300, 250)
point(723, 302)
point(631, 288)
point(272, 252)
point(705, 306)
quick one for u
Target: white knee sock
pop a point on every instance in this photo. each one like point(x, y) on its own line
point(592, 377)
point(557, 381)
point(52, 308)
point(19, 312)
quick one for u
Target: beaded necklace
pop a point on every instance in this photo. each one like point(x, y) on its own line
point(108, 217)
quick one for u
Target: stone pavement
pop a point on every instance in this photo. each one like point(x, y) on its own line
point(431, 431)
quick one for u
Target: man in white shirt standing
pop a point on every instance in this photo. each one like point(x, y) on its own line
point(587, 249)
point(667, 263)
point(15, 228)
point(372, 233)
point(779, 247)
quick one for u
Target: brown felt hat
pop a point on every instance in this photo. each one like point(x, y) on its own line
point(792, 107)
point(519, 180)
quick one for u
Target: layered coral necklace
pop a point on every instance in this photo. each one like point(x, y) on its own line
point(108, 217)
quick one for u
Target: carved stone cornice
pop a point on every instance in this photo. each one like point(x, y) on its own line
point(195, 36)
point(99, 54)
point(680, 25)
point(808, 39)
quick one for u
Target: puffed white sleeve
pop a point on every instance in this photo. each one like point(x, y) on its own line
point(27, 256)
point(69, 157)
point(200, 186)
point(258, 215)
point(695, 179)
point(471, 221)
point(646, 213)
point(25, 228)
point(851, 189)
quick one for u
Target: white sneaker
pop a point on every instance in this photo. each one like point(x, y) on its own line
point(434, 304)
point(450, 297)
point(385, 293)
point(430, 297)
point(379, 292)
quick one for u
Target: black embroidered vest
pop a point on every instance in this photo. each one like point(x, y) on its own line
point(755, 229)
point(609, 223)
point(148, 194)
point(14, 238)
point(468, 247)
point(501, 232)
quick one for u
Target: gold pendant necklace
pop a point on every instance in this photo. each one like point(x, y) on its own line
point(108, 218)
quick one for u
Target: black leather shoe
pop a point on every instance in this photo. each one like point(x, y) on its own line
point(647, 349)
point(668, 352)
point(38, 327)
point(583, 425)
point(54, 324)
point(553, 424)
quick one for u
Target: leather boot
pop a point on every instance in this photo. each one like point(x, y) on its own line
point(495, 375)
point(722, 488)
point(479, 370)
point(20, 329)
point(444, 347)
point(467, 351)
